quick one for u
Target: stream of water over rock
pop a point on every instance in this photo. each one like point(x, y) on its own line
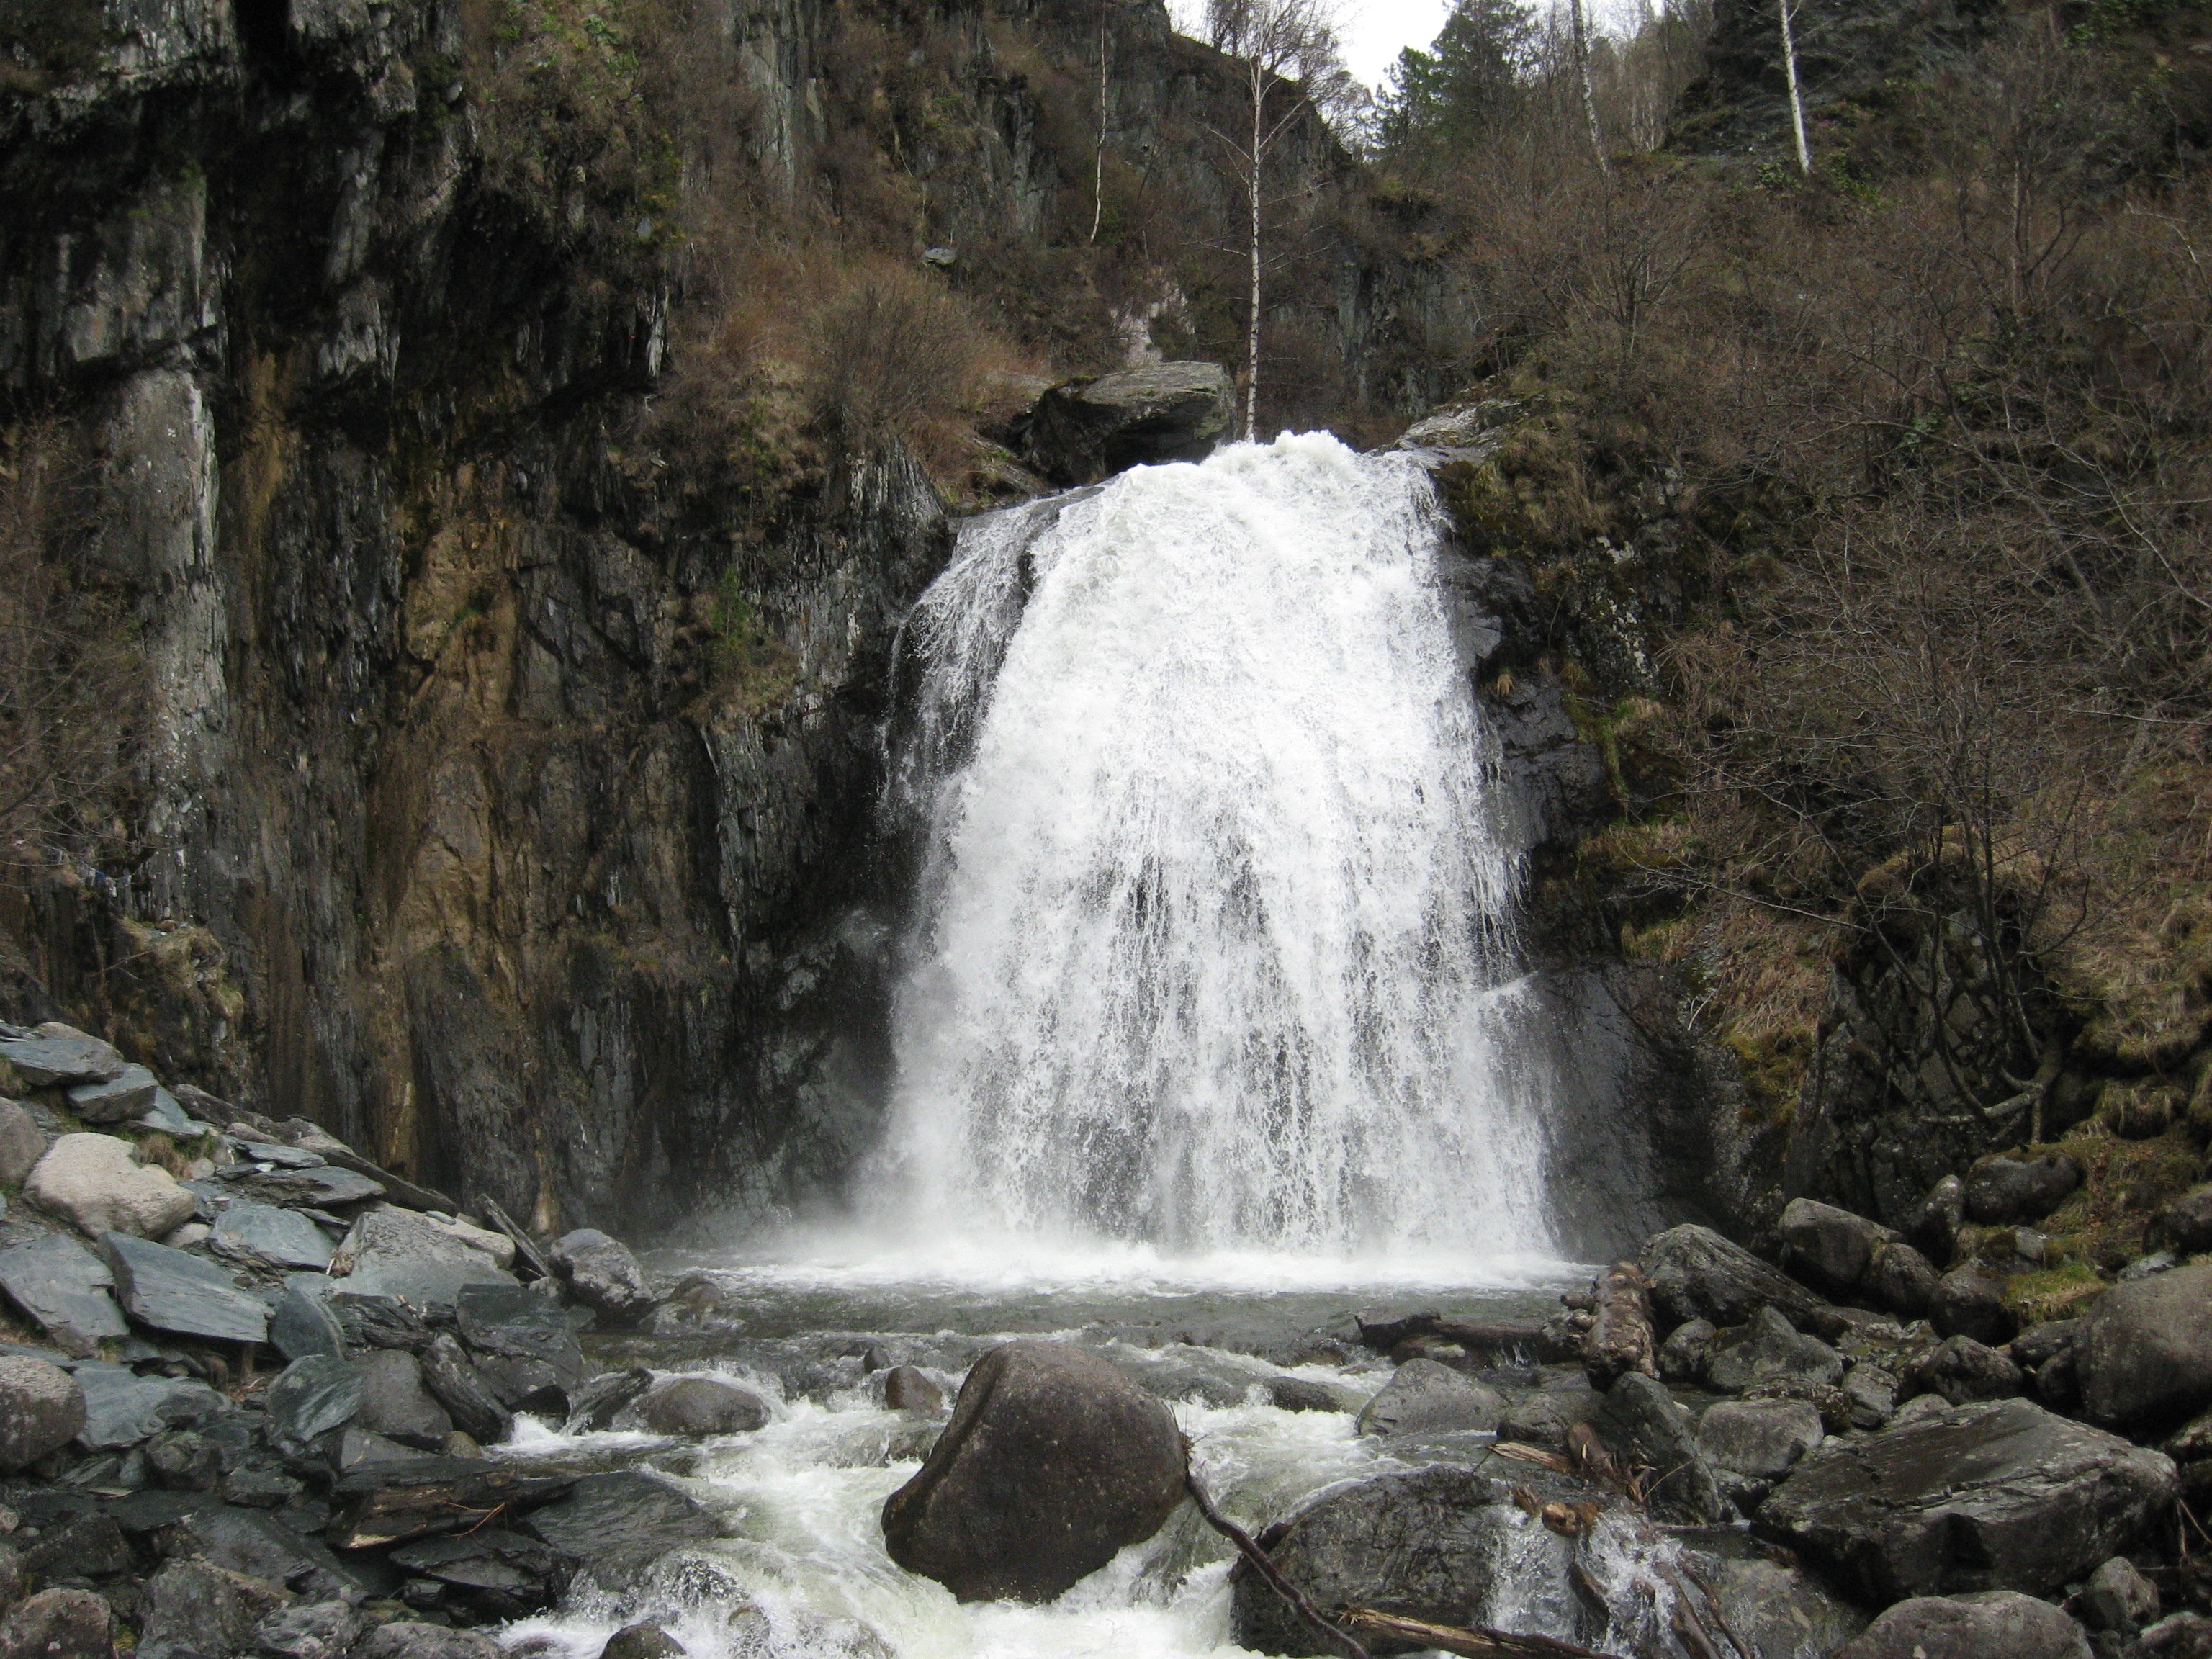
point(1209, 1035)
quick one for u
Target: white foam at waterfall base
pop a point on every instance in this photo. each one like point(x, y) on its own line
point(1214, 950)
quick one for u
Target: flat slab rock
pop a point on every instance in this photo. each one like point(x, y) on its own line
point(1998, 1496)
point(55, 1052)
point(122, 1408)
point(172, 1291)
point(253, 1232)
point(65, 1288)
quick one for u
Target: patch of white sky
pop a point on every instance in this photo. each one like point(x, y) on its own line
point(1374, 32)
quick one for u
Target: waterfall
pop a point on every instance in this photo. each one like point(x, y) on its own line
point(1212, 947)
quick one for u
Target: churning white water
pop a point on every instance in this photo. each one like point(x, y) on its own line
point(1214, 941)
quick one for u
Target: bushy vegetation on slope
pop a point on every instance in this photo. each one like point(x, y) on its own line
point(1877, 497)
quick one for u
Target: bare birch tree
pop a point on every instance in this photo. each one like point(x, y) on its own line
point(1580, 33)
point(1796, 97)
point(1280, 45)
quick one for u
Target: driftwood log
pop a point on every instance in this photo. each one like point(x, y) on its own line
point(1620, 1338)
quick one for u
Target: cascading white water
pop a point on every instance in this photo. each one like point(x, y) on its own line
point(1214, 942)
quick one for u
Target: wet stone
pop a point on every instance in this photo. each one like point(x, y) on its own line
point(494, 1572)
point(700, 1405)
point(619, 1524)
point(172, 1291)
point(1426, 1397)
point(597, 1402)
point(464, 1390)
point(195, 1608)
point(603, 1274)
point(65, 1288)
point(254, 1231)
point(517, 1323)
point(645, 1641)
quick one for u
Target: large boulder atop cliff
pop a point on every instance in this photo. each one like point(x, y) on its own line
point(1999, 1496)
point(1992, 1624)
point(1425, 1545)
point(2145, 1350)
point(1085, 430)
point(1052, 1461)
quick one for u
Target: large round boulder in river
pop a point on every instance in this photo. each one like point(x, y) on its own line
point(1052, 1461)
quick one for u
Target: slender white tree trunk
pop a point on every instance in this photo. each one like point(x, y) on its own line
point(1589, 94)
point(1098, 160)
point(1252, 341)
point(1797, 99)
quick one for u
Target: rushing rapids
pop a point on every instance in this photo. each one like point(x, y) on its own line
point(1214, 941)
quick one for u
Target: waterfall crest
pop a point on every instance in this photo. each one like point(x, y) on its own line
point(1213, 944)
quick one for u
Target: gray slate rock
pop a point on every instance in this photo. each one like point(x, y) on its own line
point(1682, 1355)
point(1642, 1424)
point(321, 1187)
point(319, 1630)
point(1767, 1349)
point(403, 1639)
point(1429, 1545)
point(172, 1291)
point(23, 1144)
point(264, 1547)
point(517, 1323)
point(908, 1388)
point(399, 1404)
point(1831, 1248)
point(2183, 1226)
point(41, 1411)
point(1872, 1391)
point(618, 1525)
point(398, 1253)
point(644, 1641)
point(59, 1624)
point(2117, 1598)
point(1969, 1301)
point(303, 1323)
point(253, 1232)
point(1763, 1438)
point(122, 1408)
point(1999, 1496)
point(1052, 1461)
point(603, 1274)
point(599, 1403)
point(2003, 1192)
point(464, 1391)
point(314, 1396)
point(55, 1053)
point(1991, 1624)
point(66, 1289)
point(1547, 1416)
point(2144, 1354)
point(195, 1610)
point(1962, 1369)
point(1426, 1397)
point(699, 1406)
point(1696, 1274)
point(1784, 1612)
point(122, 1099)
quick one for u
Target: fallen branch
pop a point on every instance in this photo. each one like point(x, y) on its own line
point(1449, 1638)
point(1269, 1574)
